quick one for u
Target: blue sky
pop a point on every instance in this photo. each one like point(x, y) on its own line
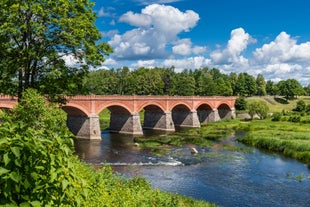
point(270, 37)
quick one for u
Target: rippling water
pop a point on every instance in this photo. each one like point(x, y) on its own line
point(227, 178)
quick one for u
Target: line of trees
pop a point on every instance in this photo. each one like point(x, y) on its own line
point(201, 82)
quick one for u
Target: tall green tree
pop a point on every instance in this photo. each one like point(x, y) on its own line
point(251, 86)
point(290, 88)
point(233, 80)
point(184, 84)
point(270, 89)
point(307, 90)
point(38, 35)
point(261, 85)
point(240, 86)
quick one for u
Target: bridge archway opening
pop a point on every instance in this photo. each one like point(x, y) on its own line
point(204, 111)
point(224, 111)
point(121, 120)
point(180, 115)
point(152, 117)
point(76, 118)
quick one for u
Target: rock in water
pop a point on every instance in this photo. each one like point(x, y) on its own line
point(194, 150)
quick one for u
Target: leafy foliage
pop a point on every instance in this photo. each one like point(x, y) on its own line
point(290, 88)
point(241, 103)
point(259, 108)
point(36, 38)
point(36, 164)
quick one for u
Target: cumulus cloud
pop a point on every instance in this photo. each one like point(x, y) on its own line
point(283, 49)
point(284, 58)
point(187, 63)
point(156, 27)
point(138, 20)
point(239, 40)
point(184, 47)
point(144, 63)
point(103, 13)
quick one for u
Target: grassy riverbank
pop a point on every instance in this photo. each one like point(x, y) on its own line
point(287, 138)
point(109, 189)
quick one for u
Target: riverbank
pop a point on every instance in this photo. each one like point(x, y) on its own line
point(287, 138)
point(109, 189)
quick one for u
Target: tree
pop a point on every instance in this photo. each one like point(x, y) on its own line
point(270, 88)
point(240, 103)
point(184, 84)
point(290, 88)
point(261, 85)
point(259, 108)
point(307, 90)
point(251, 86)
point(38, 35)
point(240, 85)
point(233, 80)
point(167, 77)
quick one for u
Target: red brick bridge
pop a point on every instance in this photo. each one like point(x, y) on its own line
point(160, 112)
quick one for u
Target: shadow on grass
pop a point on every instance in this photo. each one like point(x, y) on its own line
point(281, 100)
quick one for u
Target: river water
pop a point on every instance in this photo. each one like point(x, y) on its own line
point(244, 177)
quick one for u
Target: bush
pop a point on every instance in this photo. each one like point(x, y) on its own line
point(276, 116)
point(259, 108)
point(294, 118)
point(300, 106)
point(240, 104)
point(36, 164)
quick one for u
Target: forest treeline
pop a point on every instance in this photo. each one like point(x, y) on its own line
point(200, 82)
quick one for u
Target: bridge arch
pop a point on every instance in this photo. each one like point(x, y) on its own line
point(75, 110)
point(183, 116)
point(156, 118)
point(77, 119)
point(204, 112)
point(155, 105)
point(114, 108)
point(224, 111)
point(122, 119)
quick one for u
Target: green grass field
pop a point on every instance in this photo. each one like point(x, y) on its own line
point(278, 104)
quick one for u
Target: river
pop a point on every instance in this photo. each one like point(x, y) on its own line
point(244, 177)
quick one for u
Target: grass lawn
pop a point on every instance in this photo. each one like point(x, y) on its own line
point(278, 104)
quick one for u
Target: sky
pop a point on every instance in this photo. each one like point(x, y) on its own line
point(268, 37)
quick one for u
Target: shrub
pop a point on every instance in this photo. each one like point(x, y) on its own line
point(240, 103)
point(36, 166)
point(294, 118)
point(259, 108)
point(300, 106)
point(276, 116)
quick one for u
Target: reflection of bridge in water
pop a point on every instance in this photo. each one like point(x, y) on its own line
point(160, 112)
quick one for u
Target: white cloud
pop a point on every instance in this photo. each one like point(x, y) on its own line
point(138, 20)
point(199, 49)
point(187, 63)
point(184, 47)
point(102, 13)
point(239, 40)
point(283, 49)
point(145, 63)
point(157, 27)
point(284, 58)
